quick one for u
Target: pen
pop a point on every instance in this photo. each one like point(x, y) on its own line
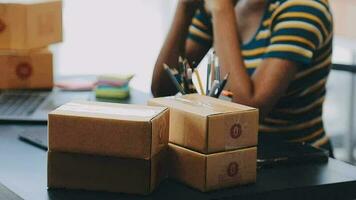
point(174, 80)
point(190, 81)
point(180, 68)
point(208, 74)
point(213, 88)
point(222, 85)
point(217, 69)
point(185, 76)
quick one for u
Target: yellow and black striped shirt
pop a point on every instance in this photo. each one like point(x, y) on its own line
point(300, 31)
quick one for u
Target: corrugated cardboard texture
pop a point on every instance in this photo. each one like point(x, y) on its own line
point(210, 125)
point(213, 171)
point(29, 26)
point(26, 70)
point(160, 132)
point(187, 167)
point(111, 174)
point(129, 131)
point(232, 130)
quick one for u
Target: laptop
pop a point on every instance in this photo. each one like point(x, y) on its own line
point(34, 105)
point(5, 193)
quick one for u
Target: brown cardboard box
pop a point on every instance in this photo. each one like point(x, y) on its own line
point(213, 171)
point(100, 173)
point(29, 26)
point(26, 69)
point(129, 131)
point(209, 125)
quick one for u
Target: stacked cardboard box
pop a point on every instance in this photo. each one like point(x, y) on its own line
point(25, 32)
point(212, 142)
point(107, 147)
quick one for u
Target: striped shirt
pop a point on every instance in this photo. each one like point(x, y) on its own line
point(299, 31)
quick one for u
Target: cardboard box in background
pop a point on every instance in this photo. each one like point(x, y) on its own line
point(128, 131)
point(29, 26)
point(209, 125)
point(26, 69)
point(213, 171)
point(110, 174)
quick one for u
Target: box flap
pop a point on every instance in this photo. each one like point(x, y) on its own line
point(201, 105)
point(187, 166)
point(160, 132)
point(11, 52)
point(109, 111)
point(27, 2)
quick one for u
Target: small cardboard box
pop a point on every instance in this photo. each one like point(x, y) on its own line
point(30, 25)
point(26, 69)
point(110, 174)
point(212, 171)
point(128, 131)
point(210, 125)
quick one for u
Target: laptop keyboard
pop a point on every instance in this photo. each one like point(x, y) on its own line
point(7, 194)
point(20, 103)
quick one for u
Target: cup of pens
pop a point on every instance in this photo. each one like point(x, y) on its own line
point(182, 77)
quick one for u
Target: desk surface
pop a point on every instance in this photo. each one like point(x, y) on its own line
point(23, 169)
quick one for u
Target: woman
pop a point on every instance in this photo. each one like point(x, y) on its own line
point(278, 54)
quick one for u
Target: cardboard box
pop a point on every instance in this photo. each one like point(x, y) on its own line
point(213, 171)
point(210, 125)
point(26, 69)
point(129, 131)
point(31, 25)
point(110, 174)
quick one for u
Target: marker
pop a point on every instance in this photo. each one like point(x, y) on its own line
point(180, 68)
point(174, 80)
point(222, 85)
point(185, 76)
point(217, 69)
point(213, 88)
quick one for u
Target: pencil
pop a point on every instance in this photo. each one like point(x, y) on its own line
point(199, 82)
point(174, 80)
point(222, 85)
point(213, 88)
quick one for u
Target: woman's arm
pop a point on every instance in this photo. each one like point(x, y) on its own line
point(270, 80)
point(176, 45)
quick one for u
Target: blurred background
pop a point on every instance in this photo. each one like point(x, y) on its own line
point(121, 36)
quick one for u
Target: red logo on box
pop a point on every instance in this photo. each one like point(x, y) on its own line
point(2, 26)
point(233, 169)
point(236, 131)
point(24, 71)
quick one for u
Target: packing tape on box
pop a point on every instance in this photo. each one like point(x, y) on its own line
point(197, 103)
point(76, 107)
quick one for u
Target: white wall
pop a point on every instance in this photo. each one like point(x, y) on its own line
point(113, 36)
